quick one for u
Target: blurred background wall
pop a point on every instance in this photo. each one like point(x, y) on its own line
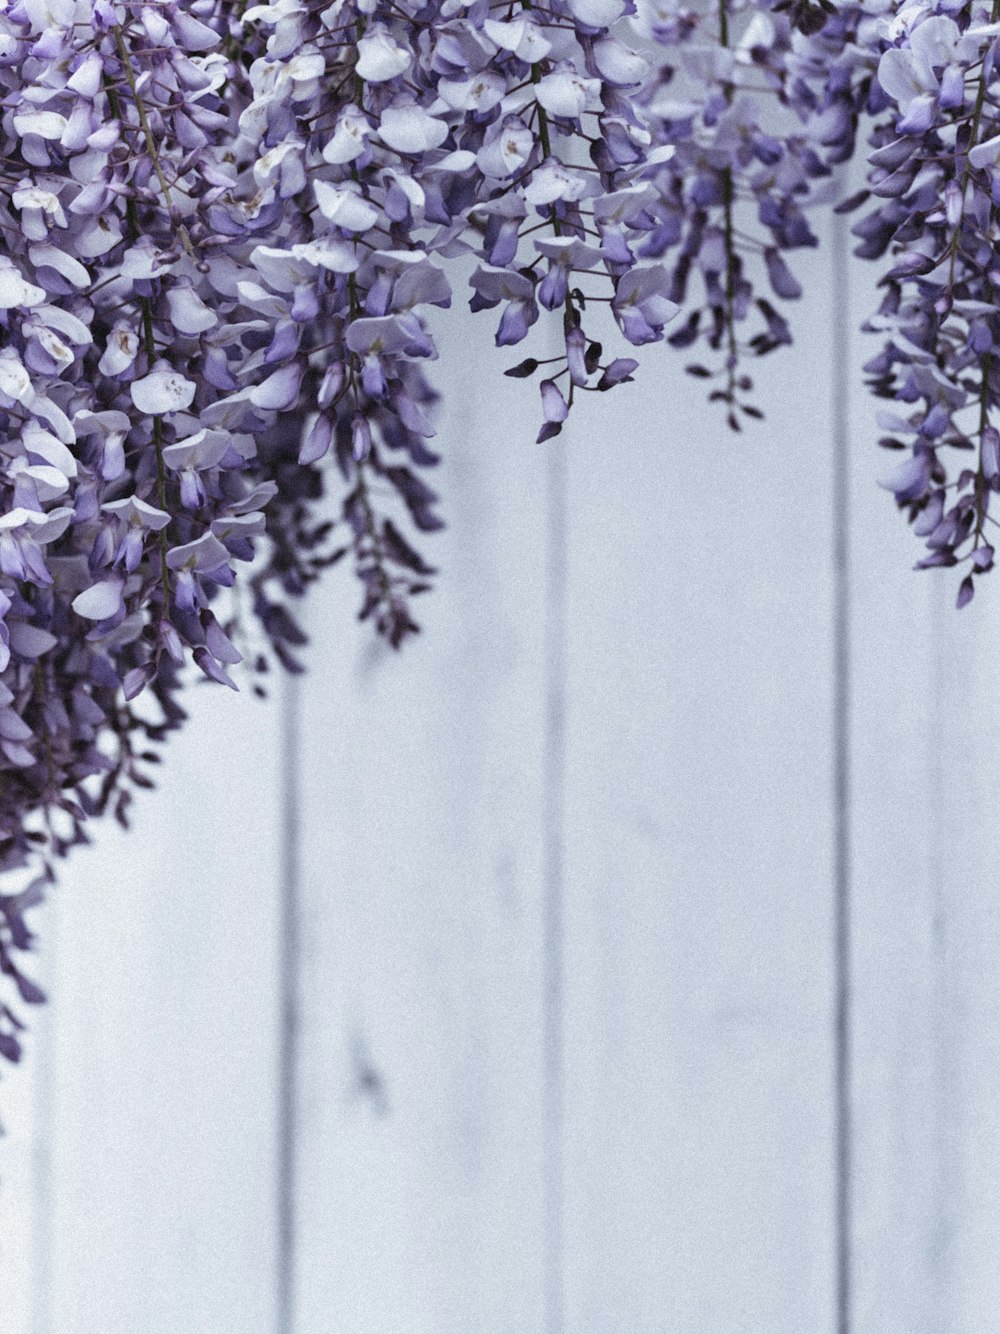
point(620, 958)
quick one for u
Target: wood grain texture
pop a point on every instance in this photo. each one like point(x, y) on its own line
point(926, 986)
point(163, 1047)
point(901, 1197)
point(421, 1162)
point(564, 981)
point(967, 957)
point(698, 855)
point(932, 993)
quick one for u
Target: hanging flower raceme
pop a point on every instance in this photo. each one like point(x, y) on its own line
point(935, 176)
point(759, 113)
point(226, 229)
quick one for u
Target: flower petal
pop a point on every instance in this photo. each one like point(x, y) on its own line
point(163, 390)
point(100, 601)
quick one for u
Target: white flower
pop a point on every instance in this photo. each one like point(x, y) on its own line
point(411, 129)
point(907, 73)
point(142, 261)
point(49, 482)
point(554, 180)
point(568, 251)
point(380, 57)
point(46, 124)
point(188, 313)
point(281, 167)
point(73, 329)
point(99, 601)
point(328, 252)
point(380, 334)
point(39, 210)
point(54, 346)
point(280, 390)
point(303, 72)
point(345, 207)
point(98, 235)
point(138, 513)
point(44, 14)
point(15, 382)
point(520, 36)
point(163, 390)
point(15, 290)
point(618, 64)
point(597, 13)
point(403, 181)
point(507, 148)
point(204, 553)
point(45, 256)
point(204, 449)
point(44, 446)
point(43, 527)
point(349, 137)
point(86, 79)
point(120, 350)
point(480, 93)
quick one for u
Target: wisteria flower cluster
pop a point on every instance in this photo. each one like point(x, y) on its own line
point(935, 173)
point(226, 225)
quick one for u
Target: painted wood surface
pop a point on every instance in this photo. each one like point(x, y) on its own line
point(698, 856)
point(494, 986)
point(926, 925)
point(900, 1111)
point(421, 1165)
point(156, 1171)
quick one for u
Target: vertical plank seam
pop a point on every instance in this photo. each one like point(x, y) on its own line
point(553, 911)
point(288, 985)
point(843, 1128)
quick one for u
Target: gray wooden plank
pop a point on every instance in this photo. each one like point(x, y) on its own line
point(421, 1094)
point(926, 987)
point(929, 1078)
point(965, 1107)
point(163, 1032)
point(899, 1194)
point(699, 854)
point(966, 942)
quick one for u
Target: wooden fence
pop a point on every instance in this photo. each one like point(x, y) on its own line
point(621, 958)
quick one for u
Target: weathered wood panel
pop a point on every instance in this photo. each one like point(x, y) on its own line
point(162, 1042)
point(967, 956)
point(421, 1102)
point(927, 926)
point(562, 985)
point(698, 854)
point(953, 1065)
point(895, 737)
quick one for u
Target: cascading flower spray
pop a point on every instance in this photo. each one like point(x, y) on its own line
point(224, 228)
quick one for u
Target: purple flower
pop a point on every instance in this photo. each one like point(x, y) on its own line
point(641, 304)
